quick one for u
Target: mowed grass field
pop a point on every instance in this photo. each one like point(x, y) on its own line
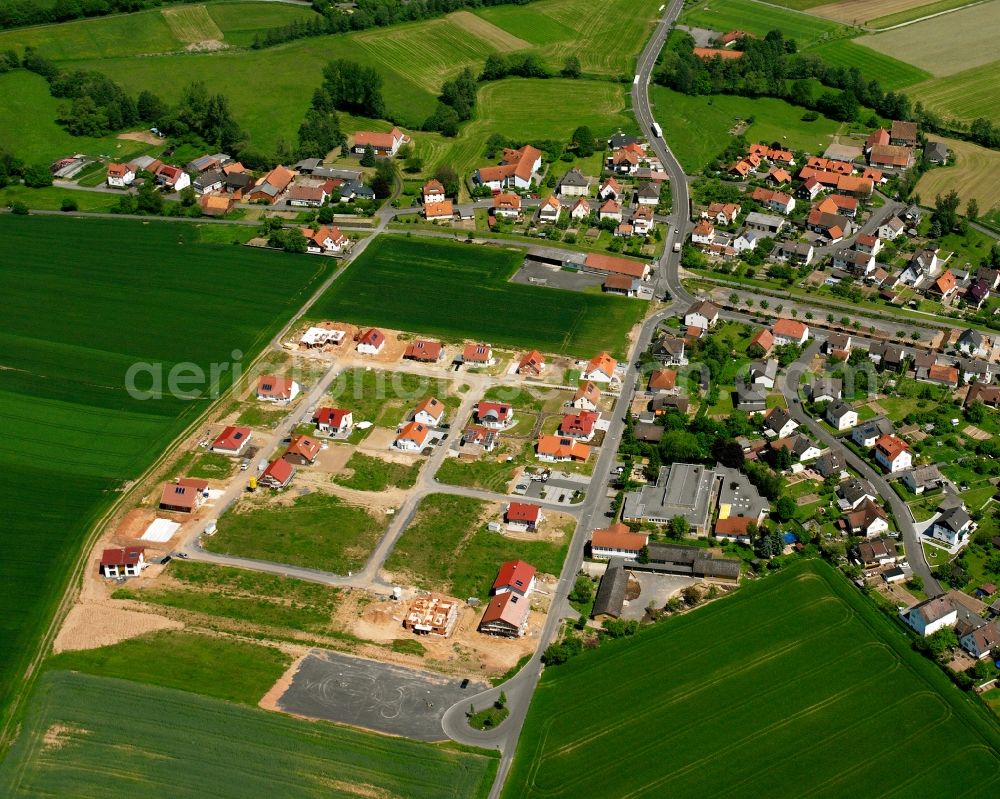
point(975, 174)
point(461, 291)
point(793, 686)
point(84, 300)
point(891, 73)
point(447, 547)
point(153, 31)
point(945, 45)
point(965, 95)
point(882, 13)
point(79, 741)
point(916, 10)
point(698, 126)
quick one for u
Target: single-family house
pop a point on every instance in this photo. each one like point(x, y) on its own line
point(494, 415)
point(648, 194)
point(831, 464)
point(825, 389)
point(778, 423)
point(424, 351)
point(506, 205)
point(325, 239)
point(441, 211)
point(868, 520)
point(833, 226)
point(891, 229)
point(232, 440)
point(587, 397)
point(923, 478)
point(120, 175)
point(762, 373)
point(973, 343)
point(798, 446)
point(532, 364)
point(516, 170)
point(662, 381)
point(433, 191)
point(272, 388)
point(278, 474)
point(840, 415)
point(372, 342)
point(774, 200)
point(942, 375)
point(479, 436)
point(762, 343)
point(580, 425)
point(702, 314)
point(893, 454)
point(183, 496)
point(610, 209)
point(794, 252)
point(868, 432)
point(574, 184)
point(549, 210)
point(722, 213)
point(478, 354)
point(172, 178)
point(122, 562)
point(789, 331)
point(430, 411)
point(302, 450)
point(581, 209)
point(610, 190)
point(600, 369)
point(945, 286)
point(867, 243)
point(669, 350)
point(506, 615)
point(853, 492)
point(523, 517)
point(953, 526)
point(932, 615)
point(333, 421)
point(703, 233)
point(977, 292)
point(936, 152)
point(839, 344)
point(777, 176)
point(982, 642)
point(557, 449)
point(412, 437)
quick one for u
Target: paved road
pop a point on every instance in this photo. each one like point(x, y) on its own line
point(914, 551)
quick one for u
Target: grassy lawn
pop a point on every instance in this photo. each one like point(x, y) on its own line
point(448, 548)
point(236, 671)
point(375, 474)
point(758, 18)
point(698, 126)
point(491, 471)
point(281, 756)
point(317, 531)
point(804, 684)
point(211, 466)
point(889, 72)
point(455, 278)
point(386, 397)
point(68, 420)
point(244, 596)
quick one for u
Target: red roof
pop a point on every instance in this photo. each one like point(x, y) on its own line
point(373, 337)
point(789, 328)
point(414, 431)
point(714, 52)
point(183, 494)
point(663, 379)
point(502, 410)
point(378, 141)
point(523, 512)
point(232, 438)
point(305, 447)
point(333, 417)
point(891, 446)
point(579, 424)
point(439, 209)
point(764, 339)
point(602, 363)
point(515, 575)
point(618, 536)
point(279, 470)
point(272, 386)
point(128, 556)
point(588, 391)
point(431, 406)
point(561, 447)
point(477, 353)
point(532, 361)
point(422, 350)
point(734, 525)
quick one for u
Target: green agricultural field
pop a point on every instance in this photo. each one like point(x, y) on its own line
point(236, 671)
point(964, 95)
point(798, 664)
point(317, 531)
point(445, 281)
point(889, 72)
point(181, 746)
point(69, 425)
point(28, 128)
point(759, 18)
point(240, 22)
point(448, 548)
point(916, 12)
point(698, 126)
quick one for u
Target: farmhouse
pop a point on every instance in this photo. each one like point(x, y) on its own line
point(127, 562)
point(556, 449)
point(302, 450)
point(271, 388)
point(270, 187)
point(184, 496)
point(333, 421)
point(371, 342)
point(708, 53)
point(120, 175)
point(430, 412)
point(424, 351)
point(522, 516)
point(278, 474)
point(232, 440)
point(617, 541)
point(682, 489)
point(890, 157)
point(903, 134)
point(411, 437)
point(385, 145)
point(433, 614)
point(600, 369)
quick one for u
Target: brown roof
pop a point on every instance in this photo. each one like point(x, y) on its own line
point(443, 208)
point(663, 379)
point(907, 131)
point(892, 154)
point(305, 447)
point(611, 263)
point(618, 536)
point(314, 193)
point(422, 350)
point(380, 141)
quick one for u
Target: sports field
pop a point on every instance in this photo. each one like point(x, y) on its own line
point(965, 95)
point(84, 300)
point(78, 740)
point(461, 291)
point(698, 126)
point(975, 174)
point(794, 686)
point(944, 45)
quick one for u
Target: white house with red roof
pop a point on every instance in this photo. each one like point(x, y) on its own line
point(478, 355)
point(516, 170)
point(172, 178)
point(893, 454)
point(580, 209)
point(611, 189)
point(587, 397)
point(549, 210)
point(371, 342)
point(494, 415)
point(433, 191)
point(506, 205)
point(610, 209)
point(232, 440)
point(531, 364)
point(514, 576)
point(184, 496)
point(580, 425)
point(429, 412)
point(325, 240)
point(617, 541)
point(302, 450)
point(385, 145)
point(278, 474)
point(523, 517)
point(789, 331)
point(280, 390)
point(600, 369)
point(120, 175)
point(506, 615)
point(124, 562)
point(412, 437)
point(333, 421)
point(556, 449)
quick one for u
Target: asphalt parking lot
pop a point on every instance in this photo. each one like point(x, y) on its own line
point(554, 488)
point(554, 277)
point(377, 696)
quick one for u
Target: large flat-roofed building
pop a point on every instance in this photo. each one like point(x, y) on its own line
point(683, 489)
point(739, 497)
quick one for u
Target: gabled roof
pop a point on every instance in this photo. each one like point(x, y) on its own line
point(305, 447)
point(618, 536)
point(589, 391)
point(523, 512)
point(515, 575)
point(127, 556)
point(431, 406)
point(414, 431)
point(424, 350)
point(891, 446)
point(279, 470)
point(789, 328)
point(662, 380)
point(231, 437)
point(562, 447)
point(477, 353)
point(334, 417)
point(373, 337)
point(602, 363)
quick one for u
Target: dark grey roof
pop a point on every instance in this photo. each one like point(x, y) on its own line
point(971, 336)
point(854, 489)
point(209, 178)
point(777, 419)
point(693, 560)
point(238, 180)
point(644, 431)
point(936, 151)
point(621, 140)
point(610, 597)
point(830, 462)
point(648, 190)
point(574, 177)
point(955, 518)
point(838, 409)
